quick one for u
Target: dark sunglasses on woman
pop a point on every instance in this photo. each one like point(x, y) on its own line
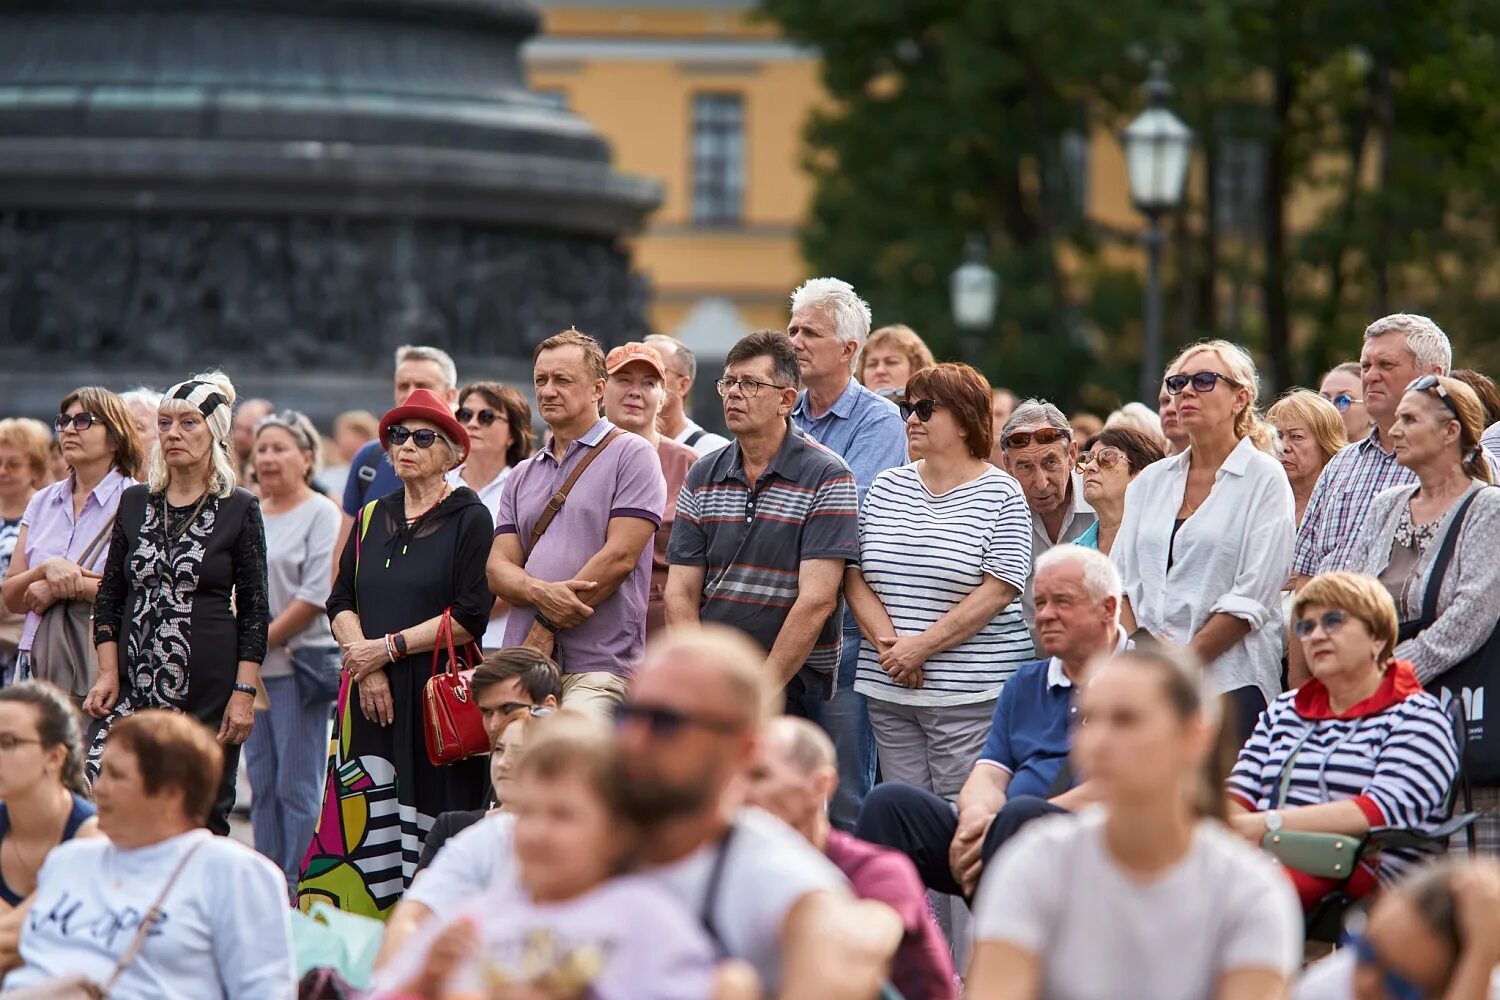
point(1342, 401)
point(80, 421)
point(1044, 435)
point(423, 438)
point(485, 416)
point(1201, 381)
point(1332, 622)
point(921, 407)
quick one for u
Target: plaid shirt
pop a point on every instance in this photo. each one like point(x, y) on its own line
point(1339, 502)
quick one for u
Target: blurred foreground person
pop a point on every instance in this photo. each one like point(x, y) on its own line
point(1146, 896)
point(215, 918)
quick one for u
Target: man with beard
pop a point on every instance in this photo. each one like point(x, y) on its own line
point(687, 732)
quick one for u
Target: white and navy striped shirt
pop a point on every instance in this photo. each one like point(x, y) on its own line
point(1396, 764)
point(923, 554)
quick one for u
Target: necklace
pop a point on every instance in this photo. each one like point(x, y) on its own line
point(443, 495)
point(28, 868)
point(173, 535)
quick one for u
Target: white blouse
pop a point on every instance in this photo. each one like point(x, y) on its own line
point(1231, 556)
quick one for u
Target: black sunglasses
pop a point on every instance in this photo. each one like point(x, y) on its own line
point(1332, 622)
point(1202, 382)
point(921, 407)
point(665, 723)
point(485, 416)
point(1428, 383)
point(423, 438)
point(80, 421)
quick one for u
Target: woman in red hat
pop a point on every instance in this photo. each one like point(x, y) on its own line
point(411, 556)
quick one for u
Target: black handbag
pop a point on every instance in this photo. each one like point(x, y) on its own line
point(1468, 678)
point(316, 670)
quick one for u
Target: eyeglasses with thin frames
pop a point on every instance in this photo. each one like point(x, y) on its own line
point(9, 742)
point(1342, 401)
point(1332, 622)
point(1106, 458)
point(748, 387)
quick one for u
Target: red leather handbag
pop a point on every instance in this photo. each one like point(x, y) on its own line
point(450, 716)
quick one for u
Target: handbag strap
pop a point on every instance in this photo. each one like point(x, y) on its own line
point(1286, 770)
point(144, 930)
point(554, 505)
point(93, 547)
point(1440, 564)
point(444, 638)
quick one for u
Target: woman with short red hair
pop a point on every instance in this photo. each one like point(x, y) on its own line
point(944, 550)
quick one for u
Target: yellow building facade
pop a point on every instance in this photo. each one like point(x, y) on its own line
point(711, 103)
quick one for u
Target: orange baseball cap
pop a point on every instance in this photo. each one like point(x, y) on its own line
point(635, 351)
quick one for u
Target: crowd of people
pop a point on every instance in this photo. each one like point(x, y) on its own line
point(909, 686)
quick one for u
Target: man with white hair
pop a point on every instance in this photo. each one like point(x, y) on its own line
point(1037, 447)
point(682, 372)
point(828, 327)
point(1022, 772)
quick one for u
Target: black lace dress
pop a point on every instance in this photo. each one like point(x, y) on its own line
point(184, 595)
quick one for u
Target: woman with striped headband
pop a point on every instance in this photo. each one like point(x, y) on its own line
point(181, 618)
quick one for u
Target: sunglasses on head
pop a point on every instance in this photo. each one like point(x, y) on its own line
point(80, 421)
point(665, 723)
point(423, 438)
point(1332, 622)
point(1397, 986)
point(1200, 381)
point(1342, 401)
point(485, 416)
point(1430, 383)
point(921, 407)
point(1046, 435)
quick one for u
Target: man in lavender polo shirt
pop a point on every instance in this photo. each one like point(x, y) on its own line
point(580, 596)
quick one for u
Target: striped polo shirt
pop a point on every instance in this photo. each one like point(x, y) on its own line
point(1392, 755)
point(752, 543)
point(922, 553)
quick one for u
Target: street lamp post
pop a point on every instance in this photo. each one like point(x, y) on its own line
point(1158, 148)
point(974, 291)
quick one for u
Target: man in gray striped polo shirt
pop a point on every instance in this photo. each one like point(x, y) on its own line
point(765, 526)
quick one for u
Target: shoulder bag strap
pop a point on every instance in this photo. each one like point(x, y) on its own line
point(144, 930)
point(711, 893)
point(85, 560)
point(1440, 564)
point(554, 506)
point(1286, 770)
point(694, 437)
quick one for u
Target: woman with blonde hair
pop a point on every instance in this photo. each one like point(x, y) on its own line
point(1311, 431)
point(182, 613)
point(23, 470)
point(890, 356)
point(65, 532)
point(1206, 541)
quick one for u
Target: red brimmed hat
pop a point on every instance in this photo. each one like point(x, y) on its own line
point(424, 404)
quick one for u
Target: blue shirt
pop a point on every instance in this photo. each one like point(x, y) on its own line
point(864, 429)
point(1089, 539)
point(357, 492)
point(1030, 730)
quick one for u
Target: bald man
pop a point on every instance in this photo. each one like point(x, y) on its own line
point(793, 777)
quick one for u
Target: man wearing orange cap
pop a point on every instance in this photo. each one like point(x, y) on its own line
point(633, 398)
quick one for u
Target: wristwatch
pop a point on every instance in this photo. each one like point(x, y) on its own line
point(1273, 821)
point(245, 689)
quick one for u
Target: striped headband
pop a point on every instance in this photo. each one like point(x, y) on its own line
point(204, 395)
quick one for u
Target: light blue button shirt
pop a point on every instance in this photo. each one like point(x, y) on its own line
point(866, 430)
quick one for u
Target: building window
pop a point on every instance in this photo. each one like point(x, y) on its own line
point(1075, 165)
point(1239, 182)
point(718, 159)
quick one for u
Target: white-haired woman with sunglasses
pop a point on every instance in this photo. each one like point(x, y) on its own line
point(288, 747)
point(1358, 747)
point(181, 617)
point(1206, 541)
point(1436, 435)
point(411, 556)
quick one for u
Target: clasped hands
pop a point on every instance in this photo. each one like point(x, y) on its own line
point(901, 657)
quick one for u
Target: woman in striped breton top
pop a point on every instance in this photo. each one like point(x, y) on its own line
point(1359, 747)
point(944, 550)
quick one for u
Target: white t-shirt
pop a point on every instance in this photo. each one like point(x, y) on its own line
point(706, 443)
point(1333, 979)
point(768, 868)
point(489, 495)
point(1102, 935)
point(224, 930)
point(625, 940)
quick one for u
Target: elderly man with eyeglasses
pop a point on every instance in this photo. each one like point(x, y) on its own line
point(1039, 451)
point(764, 528)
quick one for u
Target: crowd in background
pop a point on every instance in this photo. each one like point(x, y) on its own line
point(908, 675)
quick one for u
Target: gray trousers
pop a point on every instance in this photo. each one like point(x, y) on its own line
point(931, 748)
